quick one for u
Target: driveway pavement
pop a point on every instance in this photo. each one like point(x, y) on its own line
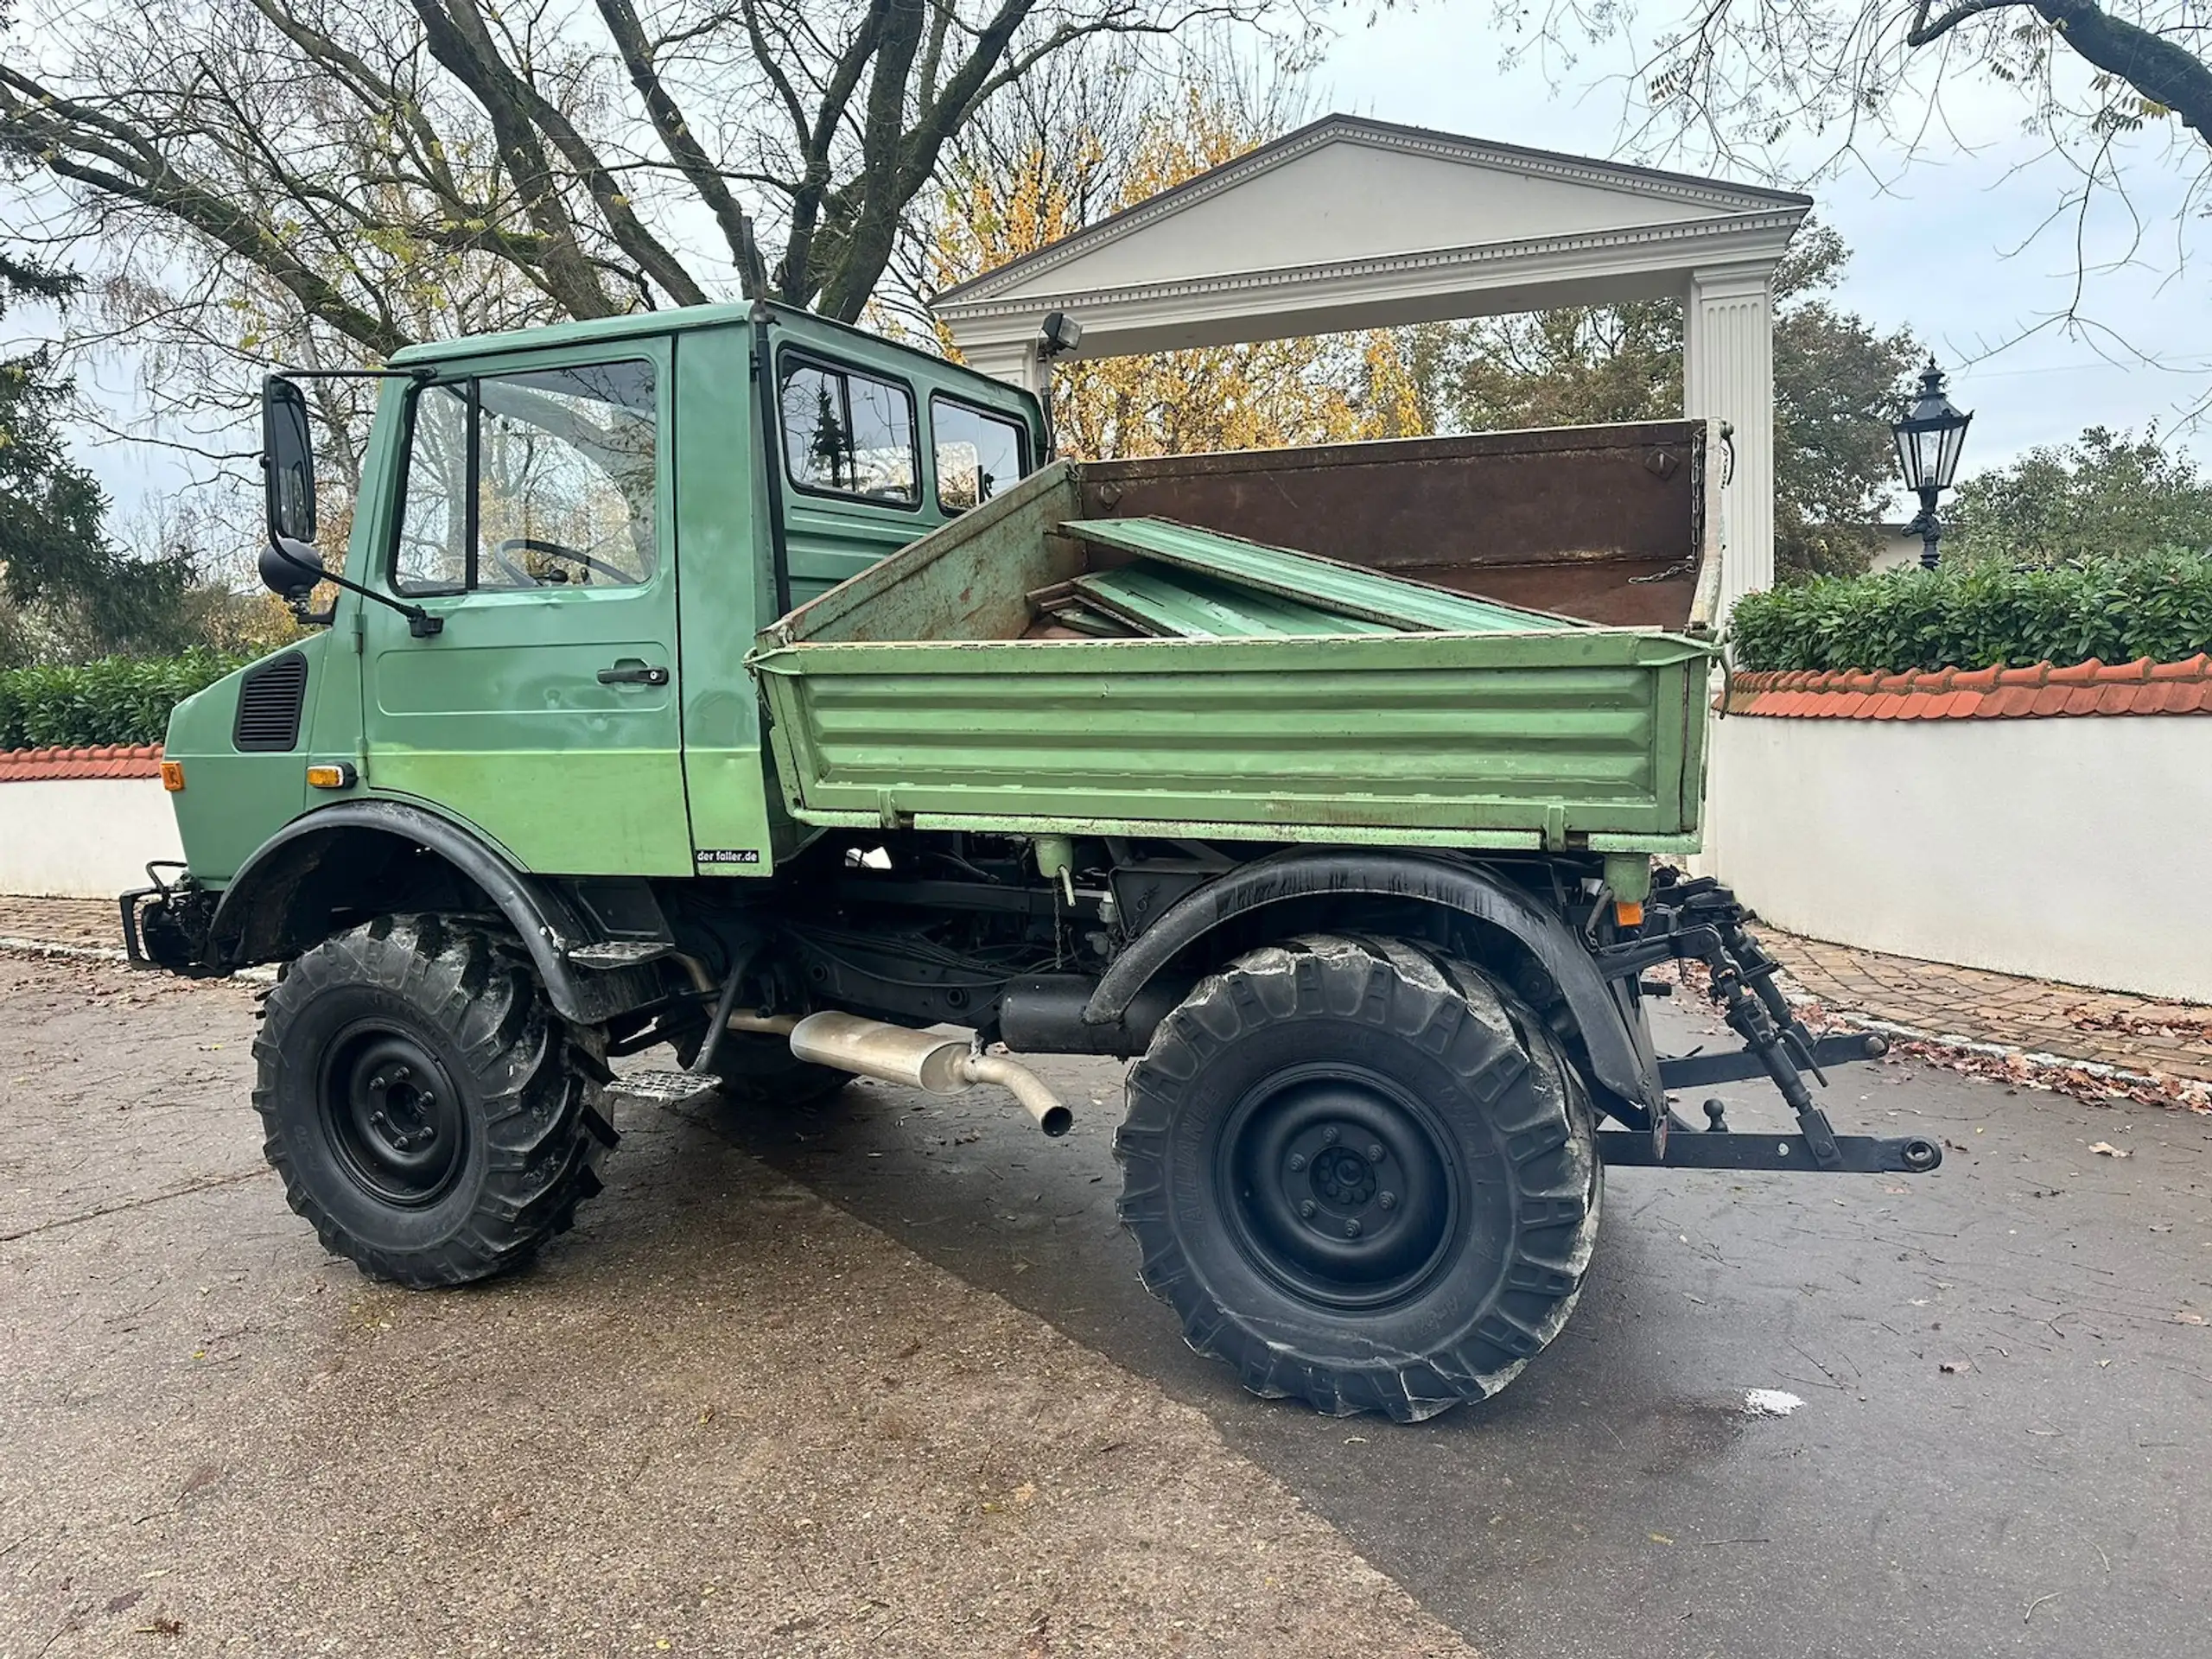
point(2007, 1384)
point(722, 1416)
point(879, 1378)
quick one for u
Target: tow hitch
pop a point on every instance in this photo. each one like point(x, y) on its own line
point(165, 923)
point(1699, 920)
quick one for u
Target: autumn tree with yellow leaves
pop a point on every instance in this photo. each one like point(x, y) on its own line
point(1068, 158)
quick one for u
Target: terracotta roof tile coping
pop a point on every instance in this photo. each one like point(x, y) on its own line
point(2039, 690)
point(52, 765)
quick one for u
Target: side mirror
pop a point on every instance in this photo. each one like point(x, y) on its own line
point(287, 462)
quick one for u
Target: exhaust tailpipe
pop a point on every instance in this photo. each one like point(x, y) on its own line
point(931, 1061)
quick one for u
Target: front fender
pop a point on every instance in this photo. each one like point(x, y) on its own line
point(279, 899)
point(1621, 1057)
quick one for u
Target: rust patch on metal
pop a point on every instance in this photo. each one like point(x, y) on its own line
point(1576, 520)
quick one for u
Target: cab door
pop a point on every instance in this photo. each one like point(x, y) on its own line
point(534, 521)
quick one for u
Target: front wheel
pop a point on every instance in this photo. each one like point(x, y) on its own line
point(430, 1115)
point(1363, 1174)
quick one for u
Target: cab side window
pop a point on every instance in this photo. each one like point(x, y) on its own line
point(846, 433)
point(544, 479)
point(977, 454)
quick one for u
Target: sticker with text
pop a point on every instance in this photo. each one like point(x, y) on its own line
point(728, 855)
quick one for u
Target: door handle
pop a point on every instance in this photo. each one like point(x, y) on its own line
point(631, 673)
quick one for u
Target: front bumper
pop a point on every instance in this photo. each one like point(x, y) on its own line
point(165, 925)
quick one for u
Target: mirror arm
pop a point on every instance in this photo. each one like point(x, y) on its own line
point(420, 622)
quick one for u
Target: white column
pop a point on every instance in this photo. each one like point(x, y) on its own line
point(1728, 373)
point(1016, 362)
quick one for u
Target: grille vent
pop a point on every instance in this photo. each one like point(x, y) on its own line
point(269, 706)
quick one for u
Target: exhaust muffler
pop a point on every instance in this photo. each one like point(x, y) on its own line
point(931, 1061)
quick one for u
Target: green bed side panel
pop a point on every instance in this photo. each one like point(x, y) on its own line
point(1455, 735)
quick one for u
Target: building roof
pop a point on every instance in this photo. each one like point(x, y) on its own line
point(1661, 196)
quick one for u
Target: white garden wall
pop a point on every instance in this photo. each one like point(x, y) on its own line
point(83, 837)
point(2073, 848)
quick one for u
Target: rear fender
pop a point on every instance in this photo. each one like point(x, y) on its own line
point(1613, 1033)
point(335, 859)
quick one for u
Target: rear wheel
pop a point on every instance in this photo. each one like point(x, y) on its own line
point(430, 1115)
point(1363, 1174)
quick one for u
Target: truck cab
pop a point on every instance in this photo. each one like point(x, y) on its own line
point(585, 526)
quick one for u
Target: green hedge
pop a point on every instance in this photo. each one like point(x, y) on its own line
point(2154, 605)
point(116, 700)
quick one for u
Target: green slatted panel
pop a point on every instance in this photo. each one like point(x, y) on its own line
point(1307, 581)
point(1461, 738)
point(1183, 605)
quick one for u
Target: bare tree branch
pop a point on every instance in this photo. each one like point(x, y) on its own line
point(697, 167)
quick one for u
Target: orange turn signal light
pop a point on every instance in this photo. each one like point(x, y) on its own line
point(172, 776)
point(1629, 914)
point(340, 776)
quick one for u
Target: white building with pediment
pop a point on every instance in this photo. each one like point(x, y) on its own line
point(1349, 223)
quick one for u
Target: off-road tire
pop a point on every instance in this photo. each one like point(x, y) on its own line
point(1257, 1131)
point(753, 1069)
point(409, 1024)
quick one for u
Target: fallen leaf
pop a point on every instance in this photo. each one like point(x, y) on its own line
point(1661, 1538)
point(2105, 1148)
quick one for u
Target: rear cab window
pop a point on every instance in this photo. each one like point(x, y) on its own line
point(978, 454)
point(848, 433)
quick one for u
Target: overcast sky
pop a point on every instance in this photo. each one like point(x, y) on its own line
point(1946, 246)
point(1933, 243)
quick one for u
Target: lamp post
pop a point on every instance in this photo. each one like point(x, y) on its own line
point(1929, 439)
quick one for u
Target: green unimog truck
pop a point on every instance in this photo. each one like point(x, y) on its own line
point(731, 681)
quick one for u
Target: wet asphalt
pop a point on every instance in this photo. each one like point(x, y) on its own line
point(2005, 1373)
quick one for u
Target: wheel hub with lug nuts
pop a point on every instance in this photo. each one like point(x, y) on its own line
point(395, 1117)
point(1343, 1187)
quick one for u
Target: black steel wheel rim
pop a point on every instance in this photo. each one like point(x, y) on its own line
point(393, 1116)
point(1340, 1186)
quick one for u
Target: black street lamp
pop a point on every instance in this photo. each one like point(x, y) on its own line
point(1929, 439)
